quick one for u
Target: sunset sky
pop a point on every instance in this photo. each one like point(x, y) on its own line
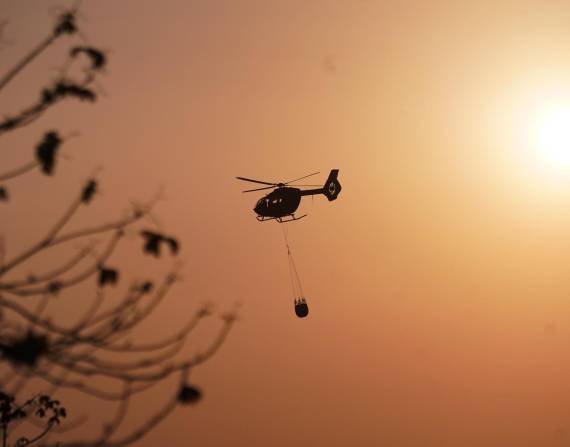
point(438, 282)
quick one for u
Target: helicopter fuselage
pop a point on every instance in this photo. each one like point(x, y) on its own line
point(279, 203)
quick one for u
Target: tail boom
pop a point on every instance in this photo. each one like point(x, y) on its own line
point(330, 189)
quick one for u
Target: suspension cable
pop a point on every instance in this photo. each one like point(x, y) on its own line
point(293, 273)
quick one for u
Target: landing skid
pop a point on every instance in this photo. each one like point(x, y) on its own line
point(283, 219)
point(291, 218)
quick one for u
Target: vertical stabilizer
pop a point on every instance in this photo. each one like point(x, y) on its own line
point(332, 187)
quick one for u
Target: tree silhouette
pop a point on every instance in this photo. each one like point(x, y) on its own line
point(94, 355)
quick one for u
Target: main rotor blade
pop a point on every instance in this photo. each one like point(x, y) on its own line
point(301, 178)
point(302, 184)
point(259, 189)
point(256, 181)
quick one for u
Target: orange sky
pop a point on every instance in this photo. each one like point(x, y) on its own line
point(437, 282)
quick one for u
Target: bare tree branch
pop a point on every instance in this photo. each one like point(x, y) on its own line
point(97, 353)
point(57, 285)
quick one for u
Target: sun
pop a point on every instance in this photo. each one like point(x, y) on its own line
point(552, 136)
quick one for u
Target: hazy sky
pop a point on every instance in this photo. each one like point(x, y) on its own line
point(438, 281)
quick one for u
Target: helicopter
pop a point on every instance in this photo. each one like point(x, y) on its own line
point(281, 203)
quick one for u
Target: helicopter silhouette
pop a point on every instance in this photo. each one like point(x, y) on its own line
point(281, 204)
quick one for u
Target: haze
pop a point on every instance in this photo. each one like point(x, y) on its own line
point(437, 282)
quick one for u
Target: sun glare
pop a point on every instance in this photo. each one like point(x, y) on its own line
point(553, 137)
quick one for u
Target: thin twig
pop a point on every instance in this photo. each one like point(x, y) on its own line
point(26, 60)
point(34, 279)
point(46, 241)
point(19, 171)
